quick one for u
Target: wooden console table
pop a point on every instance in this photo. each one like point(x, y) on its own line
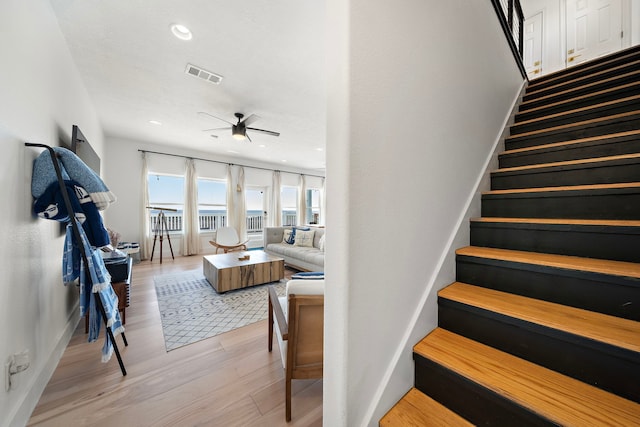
point(122, 290)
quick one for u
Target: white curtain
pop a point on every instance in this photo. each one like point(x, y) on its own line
point(191, 228)
point(323, 204)
point(276, 202)
point(302, 200)
point(240, 208)
point(145, 242)
point(231, 213)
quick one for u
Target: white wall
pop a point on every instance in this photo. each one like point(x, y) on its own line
point(42, 97)
point(415, 107)
point(123, 176)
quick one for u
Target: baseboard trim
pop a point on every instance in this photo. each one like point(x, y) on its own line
point(41, 379)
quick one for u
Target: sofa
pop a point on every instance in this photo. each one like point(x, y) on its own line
point(299, 257)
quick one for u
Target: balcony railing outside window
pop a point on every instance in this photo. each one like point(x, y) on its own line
point(208, 222)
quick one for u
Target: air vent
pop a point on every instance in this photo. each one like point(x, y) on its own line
point(203, 74)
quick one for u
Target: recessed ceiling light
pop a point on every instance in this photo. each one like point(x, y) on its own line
point(319, 149)
point(181, 32)
point(284, 161)
point(154, 122)
point(232, 152)
point(261, 145)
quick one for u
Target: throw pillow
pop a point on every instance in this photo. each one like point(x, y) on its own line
point(304, 238)
point(288, 236)
point(321, 243)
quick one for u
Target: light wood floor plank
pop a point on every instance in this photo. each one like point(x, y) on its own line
point(229, 380)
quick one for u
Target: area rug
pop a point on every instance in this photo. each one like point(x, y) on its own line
point(191, 310)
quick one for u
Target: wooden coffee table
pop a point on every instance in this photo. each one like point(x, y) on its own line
point(227, 272)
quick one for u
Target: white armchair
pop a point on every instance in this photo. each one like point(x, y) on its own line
point(299, 320)
point(227, 239)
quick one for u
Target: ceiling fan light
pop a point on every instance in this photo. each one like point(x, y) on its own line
point(238, 132)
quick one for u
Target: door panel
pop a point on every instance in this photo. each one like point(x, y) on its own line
point(533, 45)
point(594, 28)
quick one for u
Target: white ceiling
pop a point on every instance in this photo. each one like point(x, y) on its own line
point(270, 53)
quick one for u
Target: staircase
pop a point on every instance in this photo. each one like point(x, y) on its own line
point(542, 326)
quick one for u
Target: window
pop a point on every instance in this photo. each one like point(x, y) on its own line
point(288, 200)
point(254, 202)
point(166, 191)
point(312, 214)
point(212, 204)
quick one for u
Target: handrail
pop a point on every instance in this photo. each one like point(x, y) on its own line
point(516, 41)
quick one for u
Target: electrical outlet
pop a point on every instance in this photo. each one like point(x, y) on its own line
point(16, 363)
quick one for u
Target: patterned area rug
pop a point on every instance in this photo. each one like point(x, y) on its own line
point(191, 310)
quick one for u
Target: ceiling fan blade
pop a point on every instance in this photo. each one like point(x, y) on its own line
point(268, 132)
point(252, 118)
point(209, 130)
point(247, 135)
point(202, 113)
point(213, 136)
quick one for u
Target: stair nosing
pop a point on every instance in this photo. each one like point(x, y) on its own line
point(577, 110)
point(577, 98)
point(572, 142)
point(571, 125)
point(602, 328)
point(589, 64)
point(577, 162)
point(525, 383)
point(559, 221)
point(585, 187)
point(566, 262)
point(616, 77)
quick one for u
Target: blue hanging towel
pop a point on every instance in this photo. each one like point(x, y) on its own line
point(100, 285)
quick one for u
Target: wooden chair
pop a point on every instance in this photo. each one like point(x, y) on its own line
point(299, 319)
point(227, 239)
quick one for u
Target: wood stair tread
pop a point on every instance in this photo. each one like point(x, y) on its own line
point(577, 110)
point(417, 409)
point(559, 398)
point(577, 98)
point(599, 327)
point(572, 142)
point(570, 163)
point(587, 85)
point(593, 265)
point(621, 185)
point(560, 221)
point(625, 54)
point(574, 125)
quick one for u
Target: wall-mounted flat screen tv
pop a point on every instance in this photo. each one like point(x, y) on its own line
point(83, 149)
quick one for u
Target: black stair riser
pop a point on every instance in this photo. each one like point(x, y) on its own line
point(477, 404)
point(601, 365)
point(572, 104)
point(587, 68)
point(576, 116)
point(613, 295)
point(621, 204)
point(570, 133)
point(610, 172)
point(552, 95)
point(591, 241)
point(592, 149)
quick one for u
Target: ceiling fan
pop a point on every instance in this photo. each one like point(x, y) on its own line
point(239, 129)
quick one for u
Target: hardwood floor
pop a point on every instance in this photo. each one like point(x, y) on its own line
point(227, 380)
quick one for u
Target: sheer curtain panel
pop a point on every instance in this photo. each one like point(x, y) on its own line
point(191, 237)
point(302, 200)
point(144, 212)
